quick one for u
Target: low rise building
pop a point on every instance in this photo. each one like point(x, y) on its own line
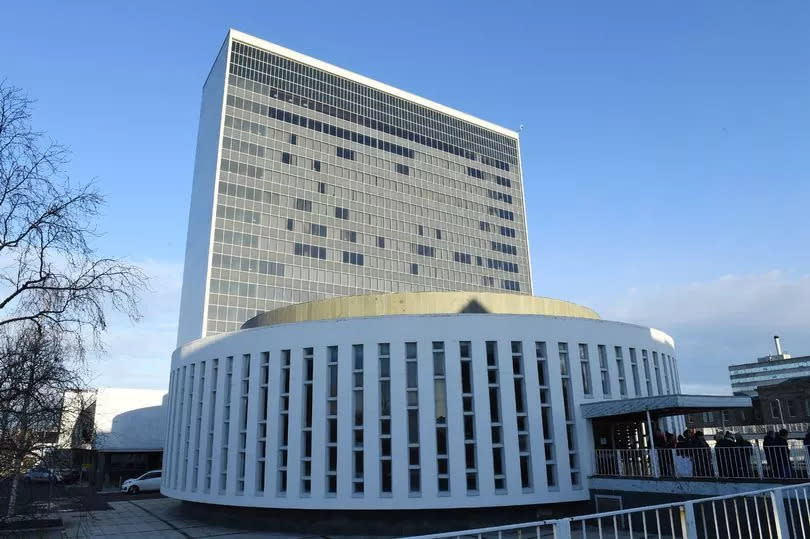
point(746, 378)
point(360, 402)
point(112, 434)
point(779, 387)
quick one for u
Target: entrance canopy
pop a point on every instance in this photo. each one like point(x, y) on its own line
point(661, 406)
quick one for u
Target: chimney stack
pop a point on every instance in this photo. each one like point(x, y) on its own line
point(778, 345)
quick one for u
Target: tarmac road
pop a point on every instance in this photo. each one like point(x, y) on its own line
point(33, 496)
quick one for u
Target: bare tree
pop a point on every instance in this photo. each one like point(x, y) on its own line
point(38, 378)
point(55, 289)
point(49, 272)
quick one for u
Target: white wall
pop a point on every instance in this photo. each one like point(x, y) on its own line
point(203, 192)
point(179, 463)
point(130, 419)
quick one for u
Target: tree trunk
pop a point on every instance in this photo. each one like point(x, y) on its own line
point(18, 455)
point(15, 481)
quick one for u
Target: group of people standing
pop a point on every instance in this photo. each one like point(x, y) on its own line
point(690, 455)
point(777, 454)
point(733, 455)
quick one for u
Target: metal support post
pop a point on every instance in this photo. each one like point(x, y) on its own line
point(674, 462)
point(779, 517)
point(758, 456)
point(562, 529)
point(715, 468)
point(688, 521)
point(653, 455)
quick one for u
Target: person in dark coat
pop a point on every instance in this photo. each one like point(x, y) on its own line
point(770, 453)
point(783, 465)
point(724, 453)
point(664, 454)
point(745, 453)
point(702, 456)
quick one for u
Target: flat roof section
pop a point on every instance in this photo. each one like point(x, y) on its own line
point(345, 73)
point(662, 405)
point(419, 303)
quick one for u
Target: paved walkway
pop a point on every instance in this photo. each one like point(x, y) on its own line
point(153, 518)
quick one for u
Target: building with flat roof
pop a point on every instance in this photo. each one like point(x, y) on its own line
point(771, 369)
point(357, 308)
point(359, 403)
point(311, 181)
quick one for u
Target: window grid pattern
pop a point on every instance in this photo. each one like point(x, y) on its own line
point(665, 361)
point(189, 407)
point(361, 104)
point(358, 484)
point(226, 425)
point(287, 153)
point(546, 414)
point(261, 427)
point(468, 409)
point(617, 352)
point(331, 419)
point(306, 427)
point(634, 369)
point(657, 368)
point(522, 417)
point(603, 369)
point(647, 377)
point(198, 427)
point(440, 409)
point(495, 418)
point(249, 378)
point(244, 388)
point(384, 359)
point(212, 412)
point(187, 436)
point(585, 368)
point(284, 422)
point(568, 405)
point(412, 412)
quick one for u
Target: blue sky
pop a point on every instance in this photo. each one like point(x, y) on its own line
point(666, 146)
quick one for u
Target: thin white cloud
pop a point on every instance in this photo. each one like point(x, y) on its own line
point(138, 355)
point(731, 319)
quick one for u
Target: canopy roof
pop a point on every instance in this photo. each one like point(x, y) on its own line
point(662, 405)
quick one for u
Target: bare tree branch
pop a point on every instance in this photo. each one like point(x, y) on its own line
point(55, 290)
point(49, 273)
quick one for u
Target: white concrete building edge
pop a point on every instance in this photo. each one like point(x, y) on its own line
point(129, 419)
point(215, 444)
point(201, 209)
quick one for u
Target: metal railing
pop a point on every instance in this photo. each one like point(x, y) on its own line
point(782, 513)
point(759, 430)
point(752, 462)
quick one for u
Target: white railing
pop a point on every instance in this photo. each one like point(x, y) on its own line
point(782, 513)
point(772, 462)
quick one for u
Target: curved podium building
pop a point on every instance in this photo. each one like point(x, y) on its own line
point(425, 400)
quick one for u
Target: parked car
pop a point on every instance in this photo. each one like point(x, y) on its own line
point(148, 481)
point(69, 475)
point(42, 475)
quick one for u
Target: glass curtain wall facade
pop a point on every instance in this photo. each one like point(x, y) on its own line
point(327, 183)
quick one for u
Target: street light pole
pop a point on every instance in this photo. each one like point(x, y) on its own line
point(781, 416)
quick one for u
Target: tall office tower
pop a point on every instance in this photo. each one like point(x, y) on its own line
point(311, 181)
